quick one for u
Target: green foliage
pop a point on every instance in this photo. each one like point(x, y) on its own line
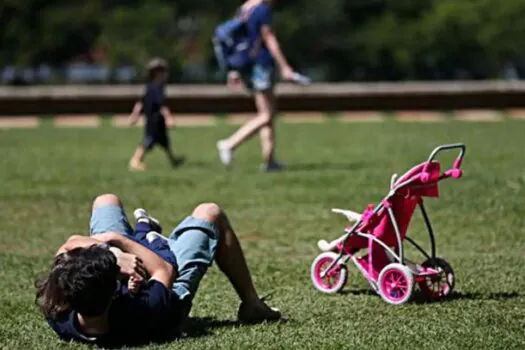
point(38, 31)
point(135, 34)
point(380, 39)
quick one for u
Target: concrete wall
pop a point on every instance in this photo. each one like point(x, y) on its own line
point(216, 99)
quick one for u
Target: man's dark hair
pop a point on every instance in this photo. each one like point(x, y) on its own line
point(83, 280)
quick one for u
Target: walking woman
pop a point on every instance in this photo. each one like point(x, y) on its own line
point(259, 79)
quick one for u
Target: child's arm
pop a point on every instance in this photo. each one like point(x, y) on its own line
point(154, 265)
point(168, 117)
point(130, 264)
point(135, 113)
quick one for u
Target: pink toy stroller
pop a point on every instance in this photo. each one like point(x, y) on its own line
point(382, 231)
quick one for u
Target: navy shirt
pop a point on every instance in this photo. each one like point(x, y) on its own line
point(159, 246)
point(152, 315)
point(260, 16)
point(153, 101)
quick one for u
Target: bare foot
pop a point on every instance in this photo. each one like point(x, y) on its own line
point(137, 166)
point(257, 312)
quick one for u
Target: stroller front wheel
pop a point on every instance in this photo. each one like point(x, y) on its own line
point(395, 284)
point(331, 281)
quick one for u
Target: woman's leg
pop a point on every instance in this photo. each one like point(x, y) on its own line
point(261, 83)
point(267, 134)
point(263, 102)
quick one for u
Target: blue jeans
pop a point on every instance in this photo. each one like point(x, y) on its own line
point(193, 242)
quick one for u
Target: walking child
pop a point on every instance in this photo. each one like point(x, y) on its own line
point(157, 116)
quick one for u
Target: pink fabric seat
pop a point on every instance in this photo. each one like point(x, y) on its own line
point(423, 183)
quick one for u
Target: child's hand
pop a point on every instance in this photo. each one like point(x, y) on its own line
point(130, 264)
point(234, 80)
point(168, 117)
point(170, 122)
point(133, 120)
point(134, 285)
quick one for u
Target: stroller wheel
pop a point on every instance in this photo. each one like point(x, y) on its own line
point(395, 283)
point(331, 281)
point(440, 286)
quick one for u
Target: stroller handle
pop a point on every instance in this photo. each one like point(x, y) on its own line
point(455, 171)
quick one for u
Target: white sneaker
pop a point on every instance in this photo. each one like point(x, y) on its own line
point(141, 215)
point(225, 154)
point(153, 236)
point(273, 166)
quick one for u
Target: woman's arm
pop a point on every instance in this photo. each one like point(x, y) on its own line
point(271, 42)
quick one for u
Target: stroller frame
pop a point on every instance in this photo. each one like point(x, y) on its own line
point(419, 273)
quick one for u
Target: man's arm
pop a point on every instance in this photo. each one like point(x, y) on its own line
point(130, 264)
point(157, 268)
point(76, 241)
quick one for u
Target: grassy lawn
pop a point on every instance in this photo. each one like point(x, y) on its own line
point(49, 176)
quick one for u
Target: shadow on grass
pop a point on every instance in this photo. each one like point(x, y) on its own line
point(499, 296)
point(325, 166)
point(484, 296)
point(358, 292)
point(419, 298)
point(196, 327)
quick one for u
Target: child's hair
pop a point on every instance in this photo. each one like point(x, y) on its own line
point(83, 279)
point(155, 66)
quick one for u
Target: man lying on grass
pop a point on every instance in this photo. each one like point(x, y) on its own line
point(82, 297)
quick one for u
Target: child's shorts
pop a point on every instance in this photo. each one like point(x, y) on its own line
point(193, 242)
point(159, 137)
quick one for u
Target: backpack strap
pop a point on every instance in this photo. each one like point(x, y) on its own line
point(244, 15)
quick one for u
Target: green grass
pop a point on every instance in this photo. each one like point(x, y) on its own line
point(49, 176)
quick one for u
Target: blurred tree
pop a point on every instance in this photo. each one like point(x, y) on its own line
point(134, 34)
point(315, 34)
point(52, 31)
point(341, 39)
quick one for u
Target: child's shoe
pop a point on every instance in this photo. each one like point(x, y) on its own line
point(141, 215)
